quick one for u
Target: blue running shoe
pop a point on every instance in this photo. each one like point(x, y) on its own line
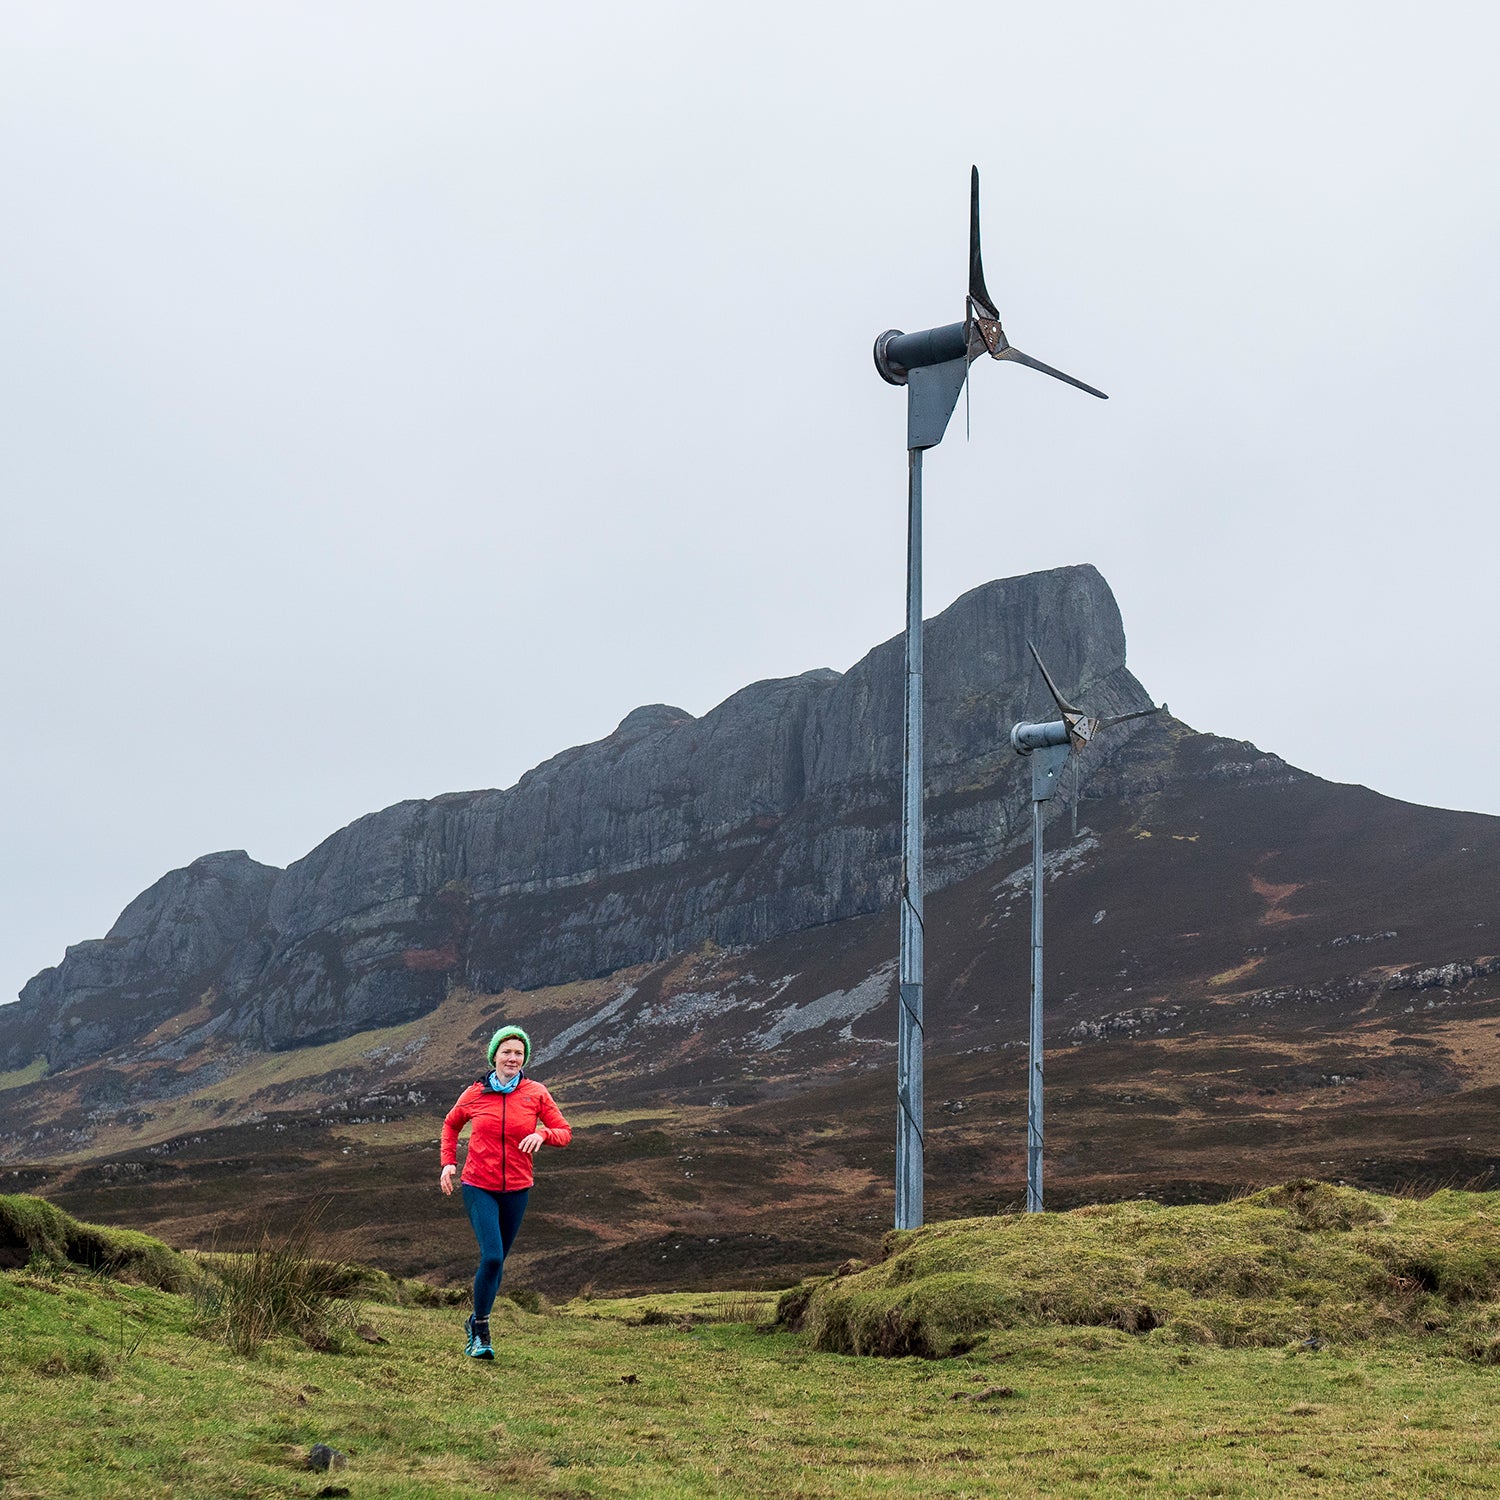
point(476, 1347)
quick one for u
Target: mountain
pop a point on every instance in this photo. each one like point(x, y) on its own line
point(775, 812)
point(1253, 974)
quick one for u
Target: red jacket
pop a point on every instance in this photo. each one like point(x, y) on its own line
point(501, 1123)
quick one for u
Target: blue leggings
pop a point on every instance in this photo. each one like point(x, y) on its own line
point(496, 1217)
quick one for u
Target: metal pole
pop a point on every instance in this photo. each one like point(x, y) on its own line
point(1034, 1071)
point(909, 1035)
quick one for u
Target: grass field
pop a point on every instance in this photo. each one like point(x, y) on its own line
point(116, 1382)
point(108, 1392)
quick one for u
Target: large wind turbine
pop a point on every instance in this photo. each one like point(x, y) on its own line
point(933, 366)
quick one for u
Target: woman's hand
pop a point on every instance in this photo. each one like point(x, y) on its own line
point(446, 1180)
point(531, 1142)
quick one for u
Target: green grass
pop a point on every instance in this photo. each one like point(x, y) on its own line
point(755, 1308)
point(1305, 1260)
point(34, 1232)
point(108, 1393)
point(279, 1285)
point(18, 1078)
point(111, 1388)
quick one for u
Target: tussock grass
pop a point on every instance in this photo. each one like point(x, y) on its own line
point(409, 1291)
point(1304, 1261)
point(527, 1299)
point(38, 1234)
point(280, 1285)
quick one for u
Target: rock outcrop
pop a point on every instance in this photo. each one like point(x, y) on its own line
point(776, 811)
point(167, 947)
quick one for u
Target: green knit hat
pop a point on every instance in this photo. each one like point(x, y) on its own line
point(504, 1033)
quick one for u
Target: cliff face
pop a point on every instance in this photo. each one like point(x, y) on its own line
point(167, 947)
point(776, 811)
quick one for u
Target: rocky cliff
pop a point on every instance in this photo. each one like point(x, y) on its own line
point(776, 811)
point(166, 949)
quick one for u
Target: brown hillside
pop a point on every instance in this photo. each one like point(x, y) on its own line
point(1253, 975)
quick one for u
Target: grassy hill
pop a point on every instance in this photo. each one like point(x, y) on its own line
point(115, 1387)
point(1304, 1263)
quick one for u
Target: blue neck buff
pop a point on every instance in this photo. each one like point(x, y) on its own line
point(499, 1087)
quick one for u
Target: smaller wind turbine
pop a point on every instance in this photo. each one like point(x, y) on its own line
point(1049, 745)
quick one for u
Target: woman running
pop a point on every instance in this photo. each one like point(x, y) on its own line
point(513, 1116)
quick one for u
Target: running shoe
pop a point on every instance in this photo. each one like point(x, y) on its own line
point(476, 1347)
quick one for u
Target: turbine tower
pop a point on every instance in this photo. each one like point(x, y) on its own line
point(1048, 745)
point(933, 366)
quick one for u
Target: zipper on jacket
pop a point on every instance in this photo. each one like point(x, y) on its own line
point(504, 1101)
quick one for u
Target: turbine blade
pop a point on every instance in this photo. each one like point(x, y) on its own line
point(1057, 697)
point(978, 293)
point(1025, 359)
point(1142, 713)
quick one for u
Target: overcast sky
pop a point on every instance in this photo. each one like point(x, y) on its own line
point(397, 394)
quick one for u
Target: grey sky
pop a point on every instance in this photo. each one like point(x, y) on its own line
point(396, 394)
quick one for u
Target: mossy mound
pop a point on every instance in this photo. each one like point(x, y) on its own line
point(35, 1232)
point(1302, 1262)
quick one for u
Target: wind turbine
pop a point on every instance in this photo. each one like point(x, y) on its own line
point(1049, 745)
point(933, 366)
